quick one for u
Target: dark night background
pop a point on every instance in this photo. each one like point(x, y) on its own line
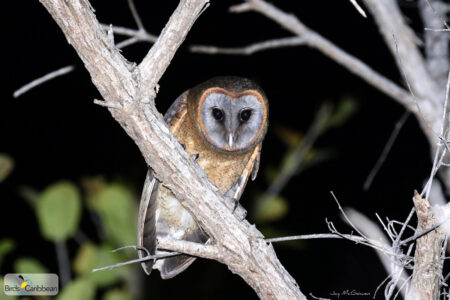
point(55, 132)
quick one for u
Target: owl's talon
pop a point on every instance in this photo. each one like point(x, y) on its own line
point(183, 145)
point(195, 156)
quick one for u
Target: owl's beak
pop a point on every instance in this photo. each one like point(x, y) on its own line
point(230, 140)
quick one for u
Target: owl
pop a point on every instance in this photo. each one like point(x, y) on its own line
point(221, 123)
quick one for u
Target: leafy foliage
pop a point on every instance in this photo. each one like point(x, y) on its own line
point(58, 211)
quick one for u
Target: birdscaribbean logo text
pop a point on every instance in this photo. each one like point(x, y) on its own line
point(32, 284)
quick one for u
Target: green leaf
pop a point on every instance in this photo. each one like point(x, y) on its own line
point(116, 294)
point(90, 257)
point(6, 166)
point(85, 259)
point(80, 288)
point(345, 109)
point(29, 265)
point(6, 245)
point(271, 208)
point(58, 210)
point(117, 209)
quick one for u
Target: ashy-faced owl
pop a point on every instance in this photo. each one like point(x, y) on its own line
point(221, 123)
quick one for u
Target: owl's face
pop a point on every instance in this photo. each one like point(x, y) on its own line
point(232, 121)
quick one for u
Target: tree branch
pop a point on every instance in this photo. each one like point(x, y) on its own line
point(250, 49)
point(241, 246)
point(315, 40)
point(436, 43)
point(427, 259)
point(402, 43)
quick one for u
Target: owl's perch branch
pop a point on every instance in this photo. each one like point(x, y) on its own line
point(240, 246)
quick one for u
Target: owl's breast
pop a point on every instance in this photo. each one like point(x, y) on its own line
point(223, 168)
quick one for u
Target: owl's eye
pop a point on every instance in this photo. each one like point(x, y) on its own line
point(245, 115)
point(217, 114)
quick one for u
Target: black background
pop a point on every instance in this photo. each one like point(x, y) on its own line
point(55, 131)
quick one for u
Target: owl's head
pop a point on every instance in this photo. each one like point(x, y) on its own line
point(231, 112)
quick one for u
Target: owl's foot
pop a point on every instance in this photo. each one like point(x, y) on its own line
point(195, 156)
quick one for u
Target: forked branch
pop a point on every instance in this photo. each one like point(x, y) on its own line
point(132, 90)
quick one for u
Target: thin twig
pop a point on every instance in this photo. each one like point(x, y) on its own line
point(315, 40)
point(49, 76)
point(387, 148)
point(424, 232)
point(358, 8)
point(135, 14)
point(141, 35)
point(438, 15)
point(444, 126)
point(437, 30)
point(345, 216)
point(316, 236)
point(137, 260)
point(250, 49)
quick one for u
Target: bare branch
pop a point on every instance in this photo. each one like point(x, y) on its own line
point(250, 49)
point(181, 22)
point(350, 237)
point(315, 40)
point(41, 80)
point(135, 14)
point(140, 35)
point(392, 264)
point(436, 41)
point(427, 258)
point(387, 148)
point(358, 8)
point(404, 48)
point(135, 261)
point(190, 248)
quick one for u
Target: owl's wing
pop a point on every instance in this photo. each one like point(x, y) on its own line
point(250, 170)
point(147, 231)
point(147, 208)
point(147, 219)
point(174, 115)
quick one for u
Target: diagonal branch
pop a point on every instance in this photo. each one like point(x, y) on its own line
point(402, 43)
point(315, 40)
point(132, 91)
